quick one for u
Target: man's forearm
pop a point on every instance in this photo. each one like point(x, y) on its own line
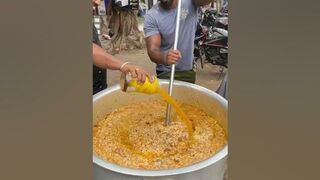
point(105, 60)
point(202, 2)
point(157, 56)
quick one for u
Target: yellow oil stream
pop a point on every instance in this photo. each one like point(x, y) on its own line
point(152, 88)
point(178, 109)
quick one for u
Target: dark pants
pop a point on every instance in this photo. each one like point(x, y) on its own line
point(187, 76)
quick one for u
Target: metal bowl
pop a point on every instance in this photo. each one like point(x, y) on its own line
point(212, 103)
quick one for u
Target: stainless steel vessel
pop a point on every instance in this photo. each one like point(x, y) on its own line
point(213, 104)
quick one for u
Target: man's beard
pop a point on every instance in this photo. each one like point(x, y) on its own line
point(166, 4)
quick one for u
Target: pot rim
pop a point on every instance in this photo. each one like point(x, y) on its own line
point(165, 172)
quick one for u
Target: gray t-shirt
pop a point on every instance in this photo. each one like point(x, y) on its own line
point(163, 22)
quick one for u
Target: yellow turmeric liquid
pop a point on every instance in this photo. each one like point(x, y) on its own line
point(151, 88)
point(178, 109)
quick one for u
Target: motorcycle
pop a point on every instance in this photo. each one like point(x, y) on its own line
point(211, 41)
point(211, 18)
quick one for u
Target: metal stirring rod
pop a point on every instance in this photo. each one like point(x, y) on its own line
point(176, 38)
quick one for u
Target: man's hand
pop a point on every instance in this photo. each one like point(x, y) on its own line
point(172, 57)
point(137, 72)
point(159, 57)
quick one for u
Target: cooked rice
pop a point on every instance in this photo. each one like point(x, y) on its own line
point(135, 136)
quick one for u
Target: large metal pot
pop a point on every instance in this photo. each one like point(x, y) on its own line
point(213, 104)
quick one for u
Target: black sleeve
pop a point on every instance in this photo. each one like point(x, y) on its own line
point(99, 74)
